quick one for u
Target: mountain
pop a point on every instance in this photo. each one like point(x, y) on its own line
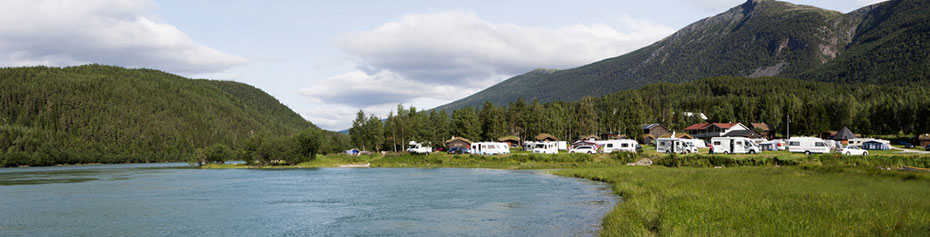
point(108, 114)
point(882, 43)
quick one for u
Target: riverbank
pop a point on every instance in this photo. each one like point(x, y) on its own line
point(704, 194)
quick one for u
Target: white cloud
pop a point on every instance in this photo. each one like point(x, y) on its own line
point(868, 2)
point(117, 32)
point(714, 5)
point(431, 59)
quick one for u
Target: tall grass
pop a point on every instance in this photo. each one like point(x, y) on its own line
point(764, 201)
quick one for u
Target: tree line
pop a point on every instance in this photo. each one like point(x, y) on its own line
point(813, 108)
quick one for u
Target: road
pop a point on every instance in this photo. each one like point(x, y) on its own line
point(911, 150)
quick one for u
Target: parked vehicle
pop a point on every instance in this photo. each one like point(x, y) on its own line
point(697, 143)
point(733, 145)
point(490, 148)
point(546, 148)
point(808, 145)
point(674, 145)
point(589, 149)
point(853, 151)
point(561, 145)
point(529, 145)
point(418, 148)
point(458, 150)
point(624, 145)
point(774, 145)
point(928, 148)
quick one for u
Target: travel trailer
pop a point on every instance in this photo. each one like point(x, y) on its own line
point(674, 145)
point(808, 145)
point(774, 145)
point(624, 145)
point(733, 145)
point(546, 147)
point(490, 148)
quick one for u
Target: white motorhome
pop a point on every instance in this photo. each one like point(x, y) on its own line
point(561, 145)
point(808, 145)
point(624, 145)
point(674, 145)
point(418, 148)
point(733, 145)
point(529, 145)
point(697, 142)
point(490, 148)
point(546, 147)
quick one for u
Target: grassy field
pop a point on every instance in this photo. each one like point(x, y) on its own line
point(773, 193)
point(764, 201)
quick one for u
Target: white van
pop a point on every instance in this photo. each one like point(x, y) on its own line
point(733, 145)
point(674, 145)
point(624, 145)
point(546, 148)
point(808, 145)
point(490, 148)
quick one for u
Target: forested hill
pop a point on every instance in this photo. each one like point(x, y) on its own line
point(97, 113)
point(882, 43)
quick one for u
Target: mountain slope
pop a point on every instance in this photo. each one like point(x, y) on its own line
point(77, 114)
point(758, 38)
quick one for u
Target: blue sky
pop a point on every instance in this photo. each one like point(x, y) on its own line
point(328, 59)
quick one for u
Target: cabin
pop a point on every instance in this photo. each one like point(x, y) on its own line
point(843, 136)
point(458, 142)
point(545, 137)
point(709, 130)
point(763, 129)
point(924, 140)
point(743, 133)
point(589, 138)
point(652, 131)
point(512, 141)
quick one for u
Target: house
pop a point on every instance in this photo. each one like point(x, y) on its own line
point(763, 129)
point(589, 138)
point(743, 133)
point(545, 137)
point(709, 130)
point(843, 136)
point(512, 141)
point(924, 140)
point(652, 131)
point(458, 142)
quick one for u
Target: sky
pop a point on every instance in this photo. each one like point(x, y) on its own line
point(327, 60)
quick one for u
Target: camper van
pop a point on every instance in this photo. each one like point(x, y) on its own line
point(546, 147)
point(733, 145)
point(490, 148)
point(418, 148)
point(675, 145)
point(808, 145)
point(624, 145)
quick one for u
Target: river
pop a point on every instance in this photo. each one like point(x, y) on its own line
point(172, 200)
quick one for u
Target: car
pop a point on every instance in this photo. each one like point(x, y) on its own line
point(905, 144)
point(853, 151)
point(583, 149)
point(458, 150)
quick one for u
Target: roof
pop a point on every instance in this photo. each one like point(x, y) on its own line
point(844, 134)
point(699, 126)
point(924, 137)
point(743, 133)
point(651, 126)
point(763, 126)
point(509, 138)
point(589, 137)
point(677, 135)
point(543, 136)
point(458, 138)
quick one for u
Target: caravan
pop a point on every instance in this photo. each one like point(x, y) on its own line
point(808, 145)
point(624, 145)
point(490, 148)
point(674, 145)
point(733, 145)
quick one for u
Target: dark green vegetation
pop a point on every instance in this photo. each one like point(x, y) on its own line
point(883, 43)
point(814, 107)
point(764, 201)
point(103, 114)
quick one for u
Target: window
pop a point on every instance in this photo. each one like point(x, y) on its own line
point(739, 143)
point(624, 145)
point(661, 143)
point(610, 145)
point(819, 144)
point(716, 143)
point(794, 143)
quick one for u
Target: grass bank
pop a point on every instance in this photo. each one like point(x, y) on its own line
point(764, 201)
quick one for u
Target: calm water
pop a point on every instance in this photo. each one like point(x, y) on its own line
point(119, 200)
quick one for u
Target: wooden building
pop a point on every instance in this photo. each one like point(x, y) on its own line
point(545, 137)
point(512, 141)
point(458, 142)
